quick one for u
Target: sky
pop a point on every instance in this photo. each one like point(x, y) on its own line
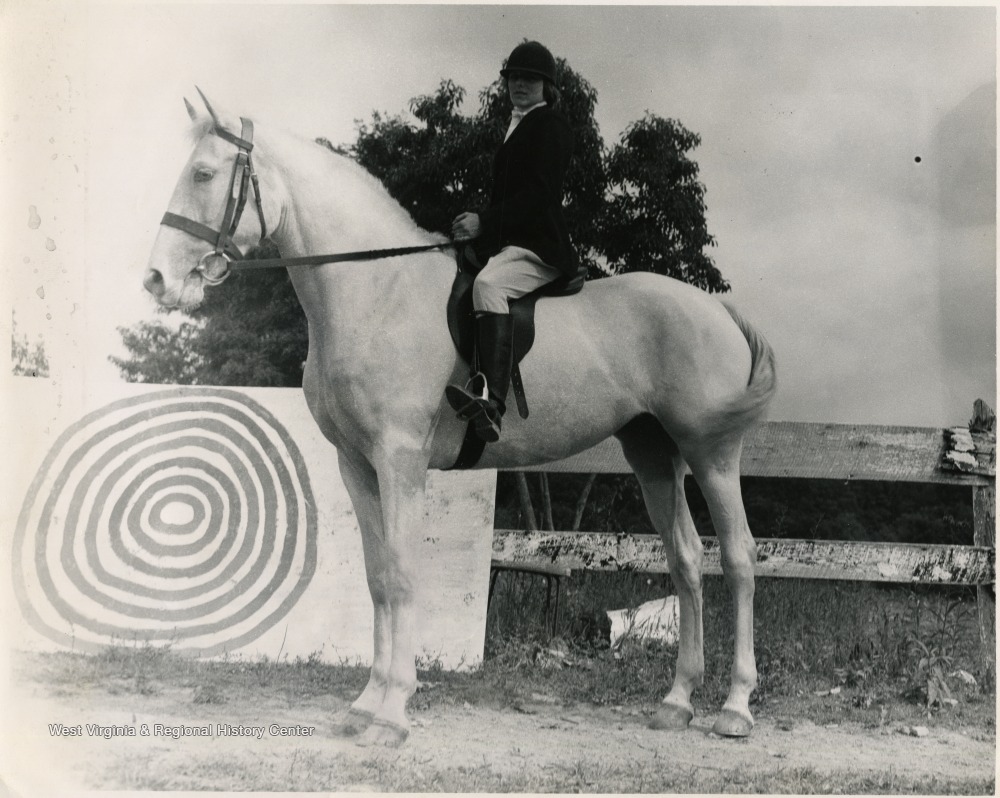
point(848, 156)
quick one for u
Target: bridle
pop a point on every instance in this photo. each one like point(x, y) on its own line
point(239, 184)
point(244, 176)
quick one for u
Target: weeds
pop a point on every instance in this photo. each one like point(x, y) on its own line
point(876, 643)
point(134, 669)
point(928, 680)
point(312, 772)
point(828, 653)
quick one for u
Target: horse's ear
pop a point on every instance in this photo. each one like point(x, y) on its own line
point(190, 109)
point(208, 105)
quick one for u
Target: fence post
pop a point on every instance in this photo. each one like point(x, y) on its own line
point(984, 518)
point(984, 521)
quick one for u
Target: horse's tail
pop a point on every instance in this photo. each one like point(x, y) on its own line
point(763, 382)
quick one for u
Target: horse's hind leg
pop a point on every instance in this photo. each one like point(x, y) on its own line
point(718, 474)
point(660, 471)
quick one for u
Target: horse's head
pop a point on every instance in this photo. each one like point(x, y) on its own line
point(205, 227)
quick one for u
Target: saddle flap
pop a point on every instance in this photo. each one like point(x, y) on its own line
point(462, 326)
point(462, 318)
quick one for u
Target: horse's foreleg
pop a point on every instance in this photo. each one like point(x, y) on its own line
point(721, 487)
point(402, 481)
point(362, 487)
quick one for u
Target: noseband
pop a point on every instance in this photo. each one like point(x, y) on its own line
point(239, 185)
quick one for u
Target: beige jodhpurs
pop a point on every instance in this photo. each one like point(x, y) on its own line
point(510, 274)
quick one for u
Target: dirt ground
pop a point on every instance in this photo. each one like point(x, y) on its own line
point(538, 736)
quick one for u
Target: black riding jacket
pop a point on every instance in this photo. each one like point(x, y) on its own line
point(526, 199)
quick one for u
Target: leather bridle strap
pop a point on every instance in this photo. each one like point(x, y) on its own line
point(341, 257)
point(243, 175)
point(222, 239)
point(204, 232)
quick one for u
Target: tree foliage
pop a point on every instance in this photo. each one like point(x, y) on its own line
point(254, 333)
point(433, 169)
point(441, 166)
point(654, 219)
point(264, 343)
point(636, 207)
point(159, 353)
point(807, 509)
point(27, 359)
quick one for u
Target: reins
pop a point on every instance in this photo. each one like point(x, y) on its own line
point(340, 257)
point(243, 178)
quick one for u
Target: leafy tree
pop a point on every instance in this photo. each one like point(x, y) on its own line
point(265, 343)
point(159, 353)
point(435, 169)
point(639, 207)
point(442, 166)
point(27, 359)
point(636, 207)
point(655, 217)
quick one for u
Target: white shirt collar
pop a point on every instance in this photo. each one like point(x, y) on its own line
point(517, 115)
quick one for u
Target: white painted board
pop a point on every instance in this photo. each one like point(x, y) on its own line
point(212, 520)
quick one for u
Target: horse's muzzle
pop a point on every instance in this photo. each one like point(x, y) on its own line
point(188, 293)
point(154, 283)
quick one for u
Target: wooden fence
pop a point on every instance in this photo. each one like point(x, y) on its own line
point(957, 456)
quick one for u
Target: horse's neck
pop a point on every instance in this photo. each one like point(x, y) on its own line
point(330, 205)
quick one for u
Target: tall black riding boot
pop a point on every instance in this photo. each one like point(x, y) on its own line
point(494, 345)
point(496, 351)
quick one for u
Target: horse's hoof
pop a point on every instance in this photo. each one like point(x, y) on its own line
point(384, 733)
point(352, 723)
point(672, 717)
point(731, 723)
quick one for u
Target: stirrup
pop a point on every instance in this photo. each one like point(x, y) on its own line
point(487, 424)
point(465, 402)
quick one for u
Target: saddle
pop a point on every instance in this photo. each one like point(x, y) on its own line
point(462, 326)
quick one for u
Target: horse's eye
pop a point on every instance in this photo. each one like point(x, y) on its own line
point(203, 175)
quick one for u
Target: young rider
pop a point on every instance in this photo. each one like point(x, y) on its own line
point(522, 235)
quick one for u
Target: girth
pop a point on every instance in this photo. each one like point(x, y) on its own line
point(462, 326)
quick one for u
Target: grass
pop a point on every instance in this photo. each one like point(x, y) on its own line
point(312, 772)
point(809, 636)
point(877, 648)
point(144, 670)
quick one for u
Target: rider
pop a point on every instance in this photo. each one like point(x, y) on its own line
point(522, 235)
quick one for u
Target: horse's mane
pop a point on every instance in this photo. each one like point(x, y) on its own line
point(389, 205)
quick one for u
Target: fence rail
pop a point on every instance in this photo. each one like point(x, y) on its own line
point(796, 559)
point(829, 451)
point(956, 456)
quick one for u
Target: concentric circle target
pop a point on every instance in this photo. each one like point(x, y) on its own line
point(180, 517)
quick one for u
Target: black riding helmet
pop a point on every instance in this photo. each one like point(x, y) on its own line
point(533, 58)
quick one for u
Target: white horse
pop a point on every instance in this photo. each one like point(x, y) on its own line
point(670, 371)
